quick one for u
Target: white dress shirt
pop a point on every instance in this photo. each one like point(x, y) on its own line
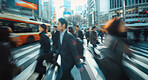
point(62, 35)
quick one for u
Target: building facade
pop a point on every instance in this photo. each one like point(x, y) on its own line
point(9, 6)
point(90, 12)
point(47, 10)
point(136, 12)
point(67, 8)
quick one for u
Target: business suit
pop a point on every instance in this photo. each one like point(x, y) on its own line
point(113, 55)
point(44, 52)
point(69, 55)
point(93, 38)
point(55, 38)
point(79, 34)
point(87, 36)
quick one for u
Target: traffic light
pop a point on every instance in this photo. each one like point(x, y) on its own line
point(95, 15)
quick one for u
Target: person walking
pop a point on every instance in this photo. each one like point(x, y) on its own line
point(79, 33)
point(44, 50)
point(8, 68)
point(79, 44)
point(87, 35)
point(55, 37)
point(93, 38)
point(67, 50)
point(113, 53)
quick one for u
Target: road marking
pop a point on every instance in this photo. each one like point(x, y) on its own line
point(138, 52)
point(136, 70)
point(25, 59)
point(140, 49)
point(25, 74)
point(24, 52)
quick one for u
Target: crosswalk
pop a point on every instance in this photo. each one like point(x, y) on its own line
point(136, 66)
point(26, 56)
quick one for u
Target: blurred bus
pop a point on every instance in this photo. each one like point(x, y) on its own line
point(23, 29)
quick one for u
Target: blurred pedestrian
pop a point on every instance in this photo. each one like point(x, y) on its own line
point(79, 33)
point(115, 47)
point(93, 38)
point(55, 37)
point(87, 35)
point(72, 31)
point(67, 50)
point(44, 51)
point(8, 69)
point(145, 33)
point(101, 34)
point(137, 33)
point(79, 44)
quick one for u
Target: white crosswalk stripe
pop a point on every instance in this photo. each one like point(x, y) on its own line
point(29, 53)
point(138, 62)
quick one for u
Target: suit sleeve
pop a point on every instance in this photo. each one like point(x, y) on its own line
point(81, 35)
point(73, 50)
point(52, 35)
point(45, 43)
point(94, 35)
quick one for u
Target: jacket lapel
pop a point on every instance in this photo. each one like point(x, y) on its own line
point(64, 38)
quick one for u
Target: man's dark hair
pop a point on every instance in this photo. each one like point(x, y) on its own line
point(43, 26)
point(77, 26)
point(93, 27)
point(63, 21)
point(87, 28)
point(113, 28)
point(55, 26)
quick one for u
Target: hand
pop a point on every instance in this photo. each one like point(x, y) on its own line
point(79, 38)
point(97, 39)
point(81, 69)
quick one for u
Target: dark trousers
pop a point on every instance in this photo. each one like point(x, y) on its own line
point(87, 42)
point(67, 75)
point(145, 38)
point(39, 64)
point(93, 48)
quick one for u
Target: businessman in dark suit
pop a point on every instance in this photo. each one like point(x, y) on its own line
point(55, 37)
point(79, 33)
point(93, 38)
point(87, 35)
point(67, 50)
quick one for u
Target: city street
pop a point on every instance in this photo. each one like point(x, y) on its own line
point(26, 57)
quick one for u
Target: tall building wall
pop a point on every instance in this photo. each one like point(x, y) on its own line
point(10, 6)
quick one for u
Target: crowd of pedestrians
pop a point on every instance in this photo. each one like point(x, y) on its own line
point(68, 43)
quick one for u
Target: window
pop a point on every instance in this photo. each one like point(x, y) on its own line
point(143, 1)
point(132, 1)
point(110, 4)
point(129, 2)
point(120, 3)
point(140, 1)
point(125, 2)
point(117, 3)
point(136, 1)
point(113, 3)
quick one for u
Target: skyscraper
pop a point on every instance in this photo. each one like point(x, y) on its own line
point(67, 8)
